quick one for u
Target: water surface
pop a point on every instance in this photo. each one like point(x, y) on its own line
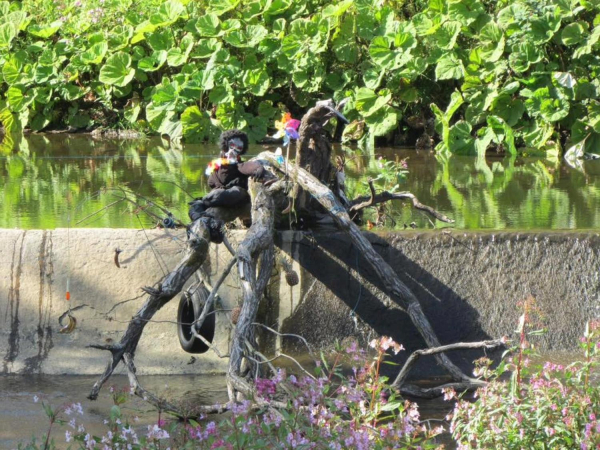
point(21, 417)
point(52, 181)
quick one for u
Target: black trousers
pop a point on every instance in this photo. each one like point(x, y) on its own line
point(233, 196)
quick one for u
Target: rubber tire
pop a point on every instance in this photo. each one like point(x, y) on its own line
point(188, 311)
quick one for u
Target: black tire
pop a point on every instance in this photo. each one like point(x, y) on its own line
point(188, 311)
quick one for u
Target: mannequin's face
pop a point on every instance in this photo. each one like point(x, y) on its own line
point(235, 148)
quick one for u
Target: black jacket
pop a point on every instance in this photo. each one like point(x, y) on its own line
point(235, 175)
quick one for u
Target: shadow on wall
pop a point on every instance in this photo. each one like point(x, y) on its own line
point(343, 298)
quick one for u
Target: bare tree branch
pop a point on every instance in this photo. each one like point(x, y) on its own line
point(363, 202)
point(414, 357)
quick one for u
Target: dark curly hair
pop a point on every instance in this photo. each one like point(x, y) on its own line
point(231, 134)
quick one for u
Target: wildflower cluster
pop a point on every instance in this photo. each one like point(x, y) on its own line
point(327, 410)
point(550, 406)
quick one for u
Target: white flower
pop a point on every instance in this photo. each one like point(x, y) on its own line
point(68, 436)
point(36, 399)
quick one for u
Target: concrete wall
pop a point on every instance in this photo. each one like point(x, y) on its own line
point(469, 286)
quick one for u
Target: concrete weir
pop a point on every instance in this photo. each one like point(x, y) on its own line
point(470, 285)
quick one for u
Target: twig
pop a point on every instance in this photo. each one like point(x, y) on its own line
point(366, 203)
point(283, 355)
point(99, 211)
point(209, 301)
point(399, 381)
point(209, 344)
point(310, 351)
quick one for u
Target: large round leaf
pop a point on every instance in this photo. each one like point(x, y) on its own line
point(449, 67)
point(117, 70)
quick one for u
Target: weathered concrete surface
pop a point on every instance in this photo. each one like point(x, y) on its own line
point(469, 286)
point(35, 266)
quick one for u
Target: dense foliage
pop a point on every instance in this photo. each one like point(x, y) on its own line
point(508, 74)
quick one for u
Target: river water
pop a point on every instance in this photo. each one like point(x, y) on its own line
point(55, 181)
point(22, 417)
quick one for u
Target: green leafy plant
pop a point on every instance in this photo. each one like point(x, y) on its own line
point(550, 406)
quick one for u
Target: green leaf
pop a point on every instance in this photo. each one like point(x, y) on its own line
point(384, 120)
point(543, 28)
point(523, 55)
point(71, 92)
point(460, 140)
point(153, 62)
point(44, 31)
point(205, 48)
point(15, 98)
point(208, 25)
point(79, 121)
point(176, 58)
point(373, 76)
point(7, 119)
point(257, 81)
point(278, 7)
point(119, 37)
point(168, 13)
point(446, 34)
point(509, 109)
point(266, 110)
point(43, 74)
point(449, 67)
point(536, 134)
point(161, 40)
point(381, 53)
point(171, 126)
point(42, 94)
point(574, 33)
point(7, 34)
point(221, 94)
point(39, 122)
point(132, 109)
point(11, 71)
point(117, 70)
point(250, 37)
point(220, 7)
point(95, 54)
point(554, 109)
point(367, 102)
point(465, 11)
point(337, 9)
point(155, 115)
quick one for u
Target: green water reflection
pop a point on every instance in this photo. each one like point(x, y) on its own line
point(51, 180)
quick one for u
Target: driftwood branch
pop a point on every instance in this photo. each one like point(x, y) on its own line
point(196, 253)
point(258, 241)
point(393, 286)
point(399, 382)
point(364, 202)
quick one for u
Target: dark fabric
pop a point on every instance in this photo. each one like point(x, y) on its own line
point(231, 197)
point(226, 197)
point(235, 175)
